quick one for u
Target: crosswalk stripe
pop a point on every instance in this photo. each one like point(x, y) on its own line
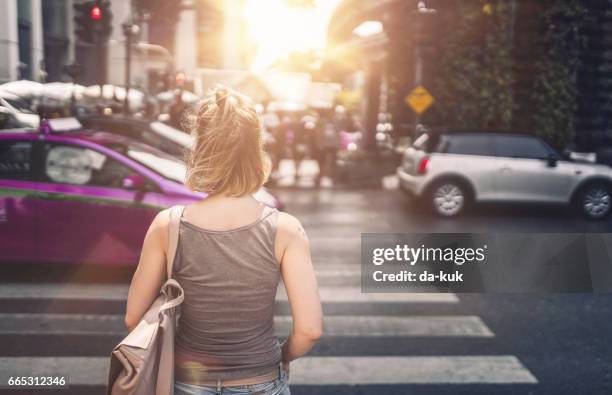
point(344, 243)
point(374, 326)
point(301, 203)
point(64, 291)
point(341, 218)
point(329, 275)
point(338, 274)
point(118, 292)
point(76, 370)
point(354, 295)
point(337, 270)
point(502, 369)
point(62, 324)
point(362, 326)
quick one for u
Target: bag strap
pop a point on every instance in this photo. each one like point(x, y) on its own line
point(165, 378)
point(176, 212)
point(170, 288)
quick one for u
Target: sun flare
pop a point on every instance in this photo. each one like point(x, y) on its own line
point(277, 28)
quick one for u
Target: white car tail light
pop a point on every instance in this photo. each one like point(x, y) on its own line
point(423, 165)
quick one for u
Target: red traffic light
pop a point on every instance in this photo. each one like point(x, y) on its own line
point(96, 13)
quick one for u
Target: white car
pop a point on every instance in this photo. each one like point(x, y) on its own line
point(449, 170)
point(19, 108)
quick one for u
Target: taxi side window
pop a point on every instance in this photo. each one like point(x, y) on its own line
point(66, 164)
point(15, 160)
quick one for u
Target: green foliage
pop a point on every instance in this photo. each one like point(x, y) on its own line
point(474, 88)
point(555, 86)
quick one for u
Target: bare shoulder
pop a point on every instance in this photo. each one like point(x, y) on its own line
point(289, 233)
point(162, 219)
point(289, 228)
point(159, 226)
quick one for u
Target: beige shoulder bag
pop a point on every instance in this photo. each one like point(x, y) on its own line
point(143, 363)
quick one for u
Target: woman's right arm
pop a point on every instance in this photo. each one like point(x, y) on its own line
point(301, 286)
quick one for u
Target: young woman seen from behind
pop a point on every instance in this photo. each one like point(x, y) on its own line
point(232, 252)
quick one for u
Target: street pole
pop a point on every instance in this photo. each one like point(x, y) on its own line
point(127, 30)
point(419, 14)
point(73, 70)
point(418, 70)
point(145, 38)
point(101, 65)
point(99, 53)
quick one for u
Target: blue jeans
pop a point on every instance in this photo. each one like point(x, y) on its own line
point(279, 386)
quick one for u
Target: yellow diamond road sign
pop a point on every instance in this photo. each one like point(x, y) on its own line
point(419, 99)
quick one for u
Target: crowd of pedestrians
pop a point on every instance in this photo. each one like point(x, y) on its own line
point(316, 134)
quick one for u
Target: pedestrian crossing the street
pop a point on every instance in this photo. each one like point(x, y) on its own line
point(364, 343)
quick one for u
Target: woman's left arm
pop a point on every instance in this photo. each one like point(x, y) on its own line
point(150, 272)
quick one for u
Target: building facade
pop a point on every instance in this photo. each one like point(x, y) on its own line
point(488, 64)
point(36, 39)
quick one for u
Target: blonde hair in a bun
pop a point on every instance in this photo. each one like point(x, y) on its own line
point(228, 155)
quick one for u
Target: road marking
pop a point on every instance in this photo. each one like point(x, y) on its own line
point(334, 274)
point(337, 273)
point(118, 292)
point(354, 295)
point(362, 326)
point(344, 243)
point(62, 324)
point(502, 369)
point(64, 291)
point(337, 269)
point(341, 218)
point(76, 370)
point(375, 326)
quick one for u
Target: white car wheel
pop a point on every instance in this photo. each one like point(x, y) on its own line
point(596, 201)
point(448, 199)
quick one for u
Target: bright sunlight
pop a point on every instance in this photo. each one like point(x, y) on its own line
point(277, 28)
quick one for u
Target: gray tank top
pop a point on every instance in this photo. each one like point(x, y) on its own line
point(226, 327)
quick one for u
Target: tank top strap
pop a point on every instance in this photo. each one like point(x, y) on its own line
point(270, 215)
point(267, 211)
point(269, 221)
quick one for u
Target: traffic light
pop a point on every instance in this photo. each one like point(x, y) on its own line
point(96, 13)
point(102, 17)
point(92, 21)
point(83, 29)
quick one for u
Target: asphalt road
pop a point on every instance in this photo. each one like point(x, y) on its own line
point(563, 340)
point(69, 320)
